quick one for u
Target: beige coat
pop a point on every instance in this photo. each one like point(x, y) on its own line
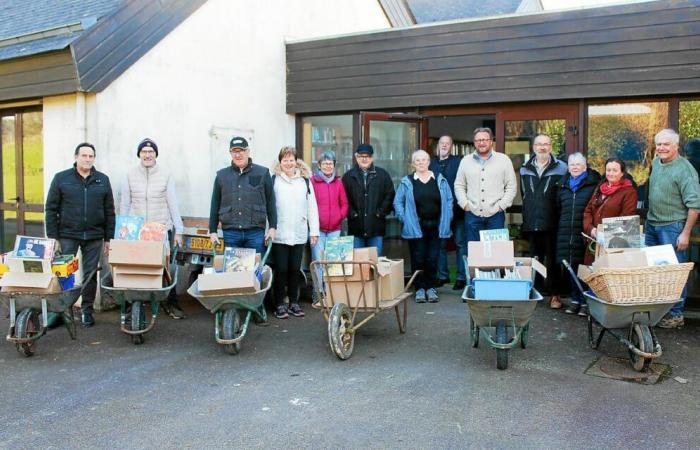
point(150, 193)
point(487, 189)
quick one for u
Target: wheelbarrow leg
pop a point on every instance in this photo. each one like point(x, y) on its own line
point(594, 343)
point(69, 322)
point(402, 321)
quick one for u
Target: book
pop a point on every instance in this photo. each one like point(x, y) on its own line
point(339, 249)
point(153, 231)
point(33, 247)
point(128, 227)
point(239, 259)
point(621, 232)
point(500, 234)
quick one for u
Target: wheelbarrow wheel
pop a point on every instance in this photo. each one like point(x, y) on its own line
point(27, 326)
point(474, 333)
point(641, 338)
point(138, 322)
point(341, 336)
point(501, 338)
point(524, 336)
point(231, 329)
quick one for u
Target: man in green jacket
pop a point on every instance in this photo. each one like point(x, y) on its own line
point(674, 204)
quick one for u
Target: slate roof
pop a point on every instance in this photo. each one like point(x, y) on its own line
point(19, 18)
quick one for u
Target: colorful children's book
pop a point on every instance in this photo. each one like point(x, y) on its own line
point(33, 247)
point(239, 259)
point(500, 234)
point(339, 249)
point(153, 231)
point(128, 228)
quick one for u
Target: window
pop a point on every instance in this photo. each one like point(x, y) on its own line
point(626, 131)
point(689, 127)
point(322, 133)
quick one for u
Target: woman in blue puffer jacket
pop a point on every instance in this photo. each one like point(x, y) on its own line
point(424, 206)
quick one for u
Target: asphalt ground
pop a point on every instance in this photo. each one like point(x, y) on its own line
point(425, 389)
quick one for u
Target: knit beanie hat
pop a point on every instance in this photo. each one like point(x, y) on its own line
point(147, 143)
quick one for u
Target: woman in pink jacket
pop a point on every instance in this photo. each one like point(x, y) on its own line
point(331, 199)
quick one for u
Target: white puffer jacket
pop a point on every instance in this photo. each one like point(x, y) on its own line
point(297, 211)
point(150, 193)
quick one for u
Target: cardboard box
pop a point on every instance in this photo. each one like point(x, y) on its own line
point(660, 255)
point(620, 259)
point(584, 271)
point(353, 296)
point(27, 264)
point(139, 277)
point(38, 283)
point(390, 278)
point(63, 267)
point(361, 254)
point(141, 253)
point(228, 283)
point(528, 267)
point(490, 254)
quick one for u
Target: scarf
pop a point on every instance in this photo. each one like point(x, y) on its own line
point(608, 189)
point(329, 179)
point(576, 182)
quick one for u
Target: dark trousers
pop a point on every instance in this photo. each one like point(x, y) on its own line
point(473, 224)
point(424, 256)
point(543, 247)
point(287, 266)
point(91, 252)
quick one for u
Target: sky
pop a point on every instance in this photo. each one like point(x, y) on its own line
point(563, 4)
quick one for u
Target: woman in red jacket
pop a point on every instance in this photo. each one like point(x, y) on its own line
point(615, 196)
point(331, 199)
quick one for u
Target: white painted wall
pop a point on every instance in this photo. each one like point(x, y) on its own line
point(221, 71)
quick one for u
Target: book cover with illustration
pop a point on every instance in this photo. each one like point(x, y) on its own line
point(500, 234)
point(339, 249)
point(128, 228)
point(153, 231)
point(239, 259)
point(621, 232)
point(34, 247)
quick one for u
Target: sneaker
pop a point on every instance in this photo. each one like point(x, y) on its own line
point(420, 296)
point(583, 312)
point(175, 312)
point(281, 312)
point(459, 285)
point(574, 308)
point(295, 310)
point(87, 319)
point(432, 295)
point(671, 322)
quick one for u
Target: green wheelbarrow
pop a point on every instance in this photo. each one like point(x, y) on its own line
point(227, 309)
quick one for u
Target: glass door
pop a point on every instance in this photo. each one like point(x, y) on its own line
point(22, 184)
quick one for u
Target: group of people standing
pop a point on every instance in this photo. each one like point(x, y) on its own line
point(446, 197)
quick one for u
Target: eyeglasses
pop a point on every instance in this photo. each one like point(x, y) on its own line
point(237, 151)
point(364, 155)
point(327, 164)
point(148, 152)
point(541, 144)
point(483, 140)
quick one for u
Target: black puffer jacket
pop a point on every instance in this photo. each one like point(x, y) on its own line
point(80, 208)
point(368, 206)
point(540, 194)
point(570, 244)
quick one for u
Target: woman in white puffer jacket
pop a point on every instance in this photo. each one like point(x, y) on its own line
point(297, 223)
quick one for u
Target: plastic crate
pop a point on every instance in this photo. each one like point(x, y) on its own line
point(487, 289)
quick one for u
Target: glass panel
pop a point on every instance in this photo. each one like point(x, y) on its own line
point(328, 133)
point(33, 157)
point(9, 177)
point(625, 130)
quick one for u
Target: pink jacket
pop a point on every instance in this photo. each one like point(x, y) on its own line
point(332, 203)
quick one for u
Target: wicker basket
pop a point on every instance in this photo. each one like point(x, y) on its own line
point(640, 284)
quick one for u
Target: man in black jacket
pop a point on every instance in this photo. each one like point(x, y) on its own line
point(538, 181)
point(370, 194)
point(80, 215)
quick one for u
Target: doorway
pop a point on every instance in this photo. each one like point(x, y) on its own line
point(22, 175)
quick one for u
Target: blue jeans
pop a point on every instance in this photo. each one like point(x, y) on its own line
point(247, 238)
point(321, 245)
point(668, 234)
point(473, 224)
point(458, 235)
point(375, 241)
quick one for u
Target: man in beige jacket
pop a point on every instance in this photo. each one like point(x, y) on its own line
point(485, 186)
point(149, 191)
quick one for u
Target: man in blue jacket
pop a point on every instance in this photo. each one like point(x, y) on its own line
point(447, 164)
point(80, 215)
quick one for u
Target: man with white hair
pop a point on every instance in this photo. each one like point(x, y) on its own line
point(674, 204)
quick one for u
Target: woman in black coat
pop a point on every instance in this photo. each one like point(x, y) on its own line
point(575, 190)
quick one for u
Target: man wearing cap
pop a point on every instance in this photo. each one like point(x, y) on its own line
point(80, 215)
point(243, 201)
point(149, 191)
point(370, 194)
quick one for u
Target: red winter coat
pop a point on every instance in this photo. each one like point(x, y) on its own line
point(332, 203)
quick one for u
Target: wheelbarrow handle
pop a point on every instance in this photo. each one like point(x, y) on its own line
point(573, 275)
